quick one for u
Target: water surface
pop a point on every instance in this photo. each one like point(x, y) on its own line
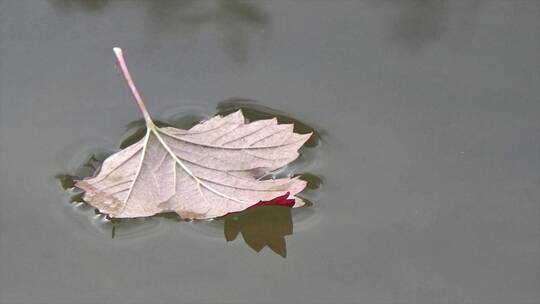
point(428, 113)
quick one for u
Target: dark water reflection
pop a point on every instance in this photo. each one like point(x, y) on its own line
point(422, 22)
point(260, 227)
point(237, 20)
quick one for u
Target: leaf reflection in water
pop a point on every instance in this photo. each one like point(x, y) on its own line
point(260, 227)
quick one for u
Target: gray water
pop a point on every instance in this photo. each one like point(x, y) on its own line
point(429, 153)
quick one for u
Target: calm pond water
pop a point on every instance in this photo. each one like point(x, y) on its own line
point(424, 181)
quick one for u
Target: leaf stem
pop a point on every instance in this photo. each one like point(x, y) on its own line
point(120, 57)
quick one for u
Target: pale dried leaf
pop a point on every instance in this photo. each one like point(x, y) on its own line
point(204, 172)
point(207, 171)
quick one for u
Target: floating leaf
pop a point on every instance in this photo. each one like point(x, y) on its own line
point(254, 111)
point(210, 170)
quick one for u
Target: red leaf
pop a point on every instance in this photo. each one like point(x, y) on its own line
point(283, 200)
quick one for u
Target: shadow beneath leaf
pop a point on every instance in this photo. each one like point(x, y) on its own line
point(260, 226)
